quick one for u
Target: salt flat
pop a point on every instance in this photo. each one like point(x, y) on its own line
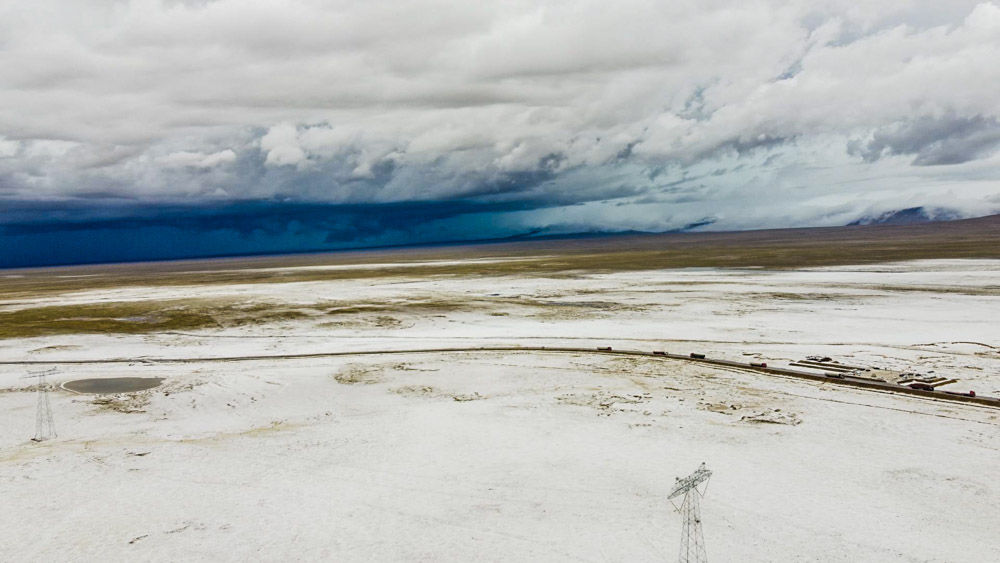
point(521, 455)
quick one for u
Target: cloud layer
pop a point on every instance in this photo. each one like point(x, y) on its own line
point(562, 116)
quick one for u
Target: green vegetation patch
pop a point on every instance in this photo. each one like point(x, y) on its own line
point(137, 317)
point(151, 316)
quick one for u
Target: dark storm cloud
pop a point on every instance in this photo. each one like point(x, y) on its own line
point(244, 218)
point(113, 232)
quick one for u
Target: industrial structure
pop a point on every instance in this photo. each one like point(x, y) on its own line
point(692, 541)
point(45, 428)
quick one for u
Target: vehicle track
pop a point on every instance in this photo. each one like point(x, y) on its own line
point(838, 379)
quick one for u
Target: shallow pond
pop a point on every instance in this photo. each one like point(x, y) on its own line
point(110, 385)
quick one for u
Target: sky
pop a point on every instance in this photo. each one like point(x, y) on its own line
point(135, 130)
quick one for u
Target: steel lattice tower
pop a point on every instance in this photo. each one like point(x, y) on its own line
point(45, 428)
point(692, 540)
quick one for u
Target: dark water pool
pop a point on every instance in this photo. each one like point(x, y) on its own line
point(109, 385)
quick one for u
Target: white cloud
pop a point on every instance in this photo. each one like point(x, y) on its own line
point(556, 100)
point(8, 148)
point(282, 146)
point(196, 159)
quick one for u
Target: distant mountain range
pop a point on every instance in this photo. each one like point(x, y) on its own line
point(543, 234)
point(908, 216)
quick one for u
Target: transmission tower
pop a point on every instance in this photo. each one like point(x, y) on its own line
point(45, 428)
point(692, 541)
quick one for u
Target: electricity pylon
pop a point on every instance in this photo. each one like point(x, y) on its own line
point(692, 541)
point(45, 428)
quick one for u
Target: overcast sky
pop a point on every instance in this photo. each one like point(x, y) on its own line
point(553, 116)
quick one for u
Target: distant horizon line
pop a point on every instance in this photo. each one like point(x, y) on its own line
point(530, 236)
